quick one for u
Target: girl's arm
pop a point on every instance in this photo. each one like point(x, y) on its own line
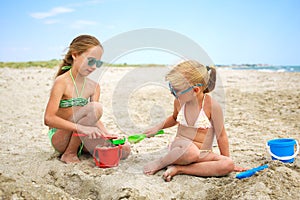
point(171, 120)
point(167, 123)
point(220, 132)
point(223, 143)
point(219, 129)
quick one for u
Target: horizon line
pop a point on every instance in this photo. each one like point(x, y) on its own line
point(126, 63)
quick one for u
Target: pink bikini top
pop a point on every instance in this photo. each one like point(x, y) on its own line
point(201, 122)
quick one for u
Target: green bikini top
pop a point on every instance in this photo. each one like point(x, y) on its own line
point(79, 101)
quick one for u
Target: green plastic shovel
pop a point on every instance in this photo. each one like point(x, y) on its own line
point(139, 137)
point(117, 142)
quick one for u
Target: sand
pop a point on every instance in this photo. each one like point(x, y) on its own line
point(258, 106)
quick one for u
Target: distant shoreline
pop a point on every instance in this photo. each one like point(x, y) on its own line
point(265, 68)
point(259, 67)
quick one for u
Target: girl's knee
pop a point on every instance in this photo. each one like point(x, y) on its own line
point(97, 108)
point(190, 155)
point(228, 165)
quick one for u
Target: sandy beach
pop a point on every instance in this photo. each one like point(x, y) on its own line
point(258, 106)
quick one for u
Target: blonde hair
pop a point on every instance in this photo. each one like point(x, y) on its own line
point(79, 45)
point(190, 73)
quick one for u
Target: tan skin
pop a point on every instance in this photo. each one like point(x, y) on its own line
point(184, 156)
point(83, 120)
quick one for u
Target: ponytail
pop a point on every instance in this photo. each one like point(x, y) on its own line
point(67, 61)
point(212, 79)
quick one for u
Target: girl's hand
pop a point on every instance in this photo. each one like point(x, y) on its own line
point(239, 169)
point(91, 131)
point(104, 131)
point(109, 135)
point(152, 131)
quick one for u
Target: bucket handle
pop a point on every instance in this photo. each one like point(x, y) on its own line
point(283, 157)
point(95, 154)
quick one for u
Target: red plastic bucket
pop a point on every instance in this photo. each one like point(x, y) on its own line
point(106, 157)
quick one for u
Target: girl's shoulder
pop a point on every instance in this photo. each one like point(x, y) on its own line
point(61, 80)
point(211, 102)
point(208, 99)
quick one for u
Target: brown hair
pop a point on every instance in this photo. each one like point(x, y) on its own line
point(79, 45)
point(190, 73)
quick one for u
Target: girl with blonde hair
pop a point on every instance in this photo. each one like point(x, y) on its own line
point(199, 118)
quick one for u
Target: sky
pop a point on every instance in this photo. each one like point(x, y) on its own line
point(229, 31)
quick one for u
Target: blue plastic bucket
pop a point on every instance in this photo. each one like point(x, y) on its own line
point(283, 149)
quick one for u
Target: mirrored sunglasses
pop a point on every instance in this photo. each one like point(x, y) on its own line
point(177, 94)
point(92, 61)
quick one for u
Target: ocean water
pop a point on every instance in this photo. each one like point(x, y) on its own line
point(268, 68)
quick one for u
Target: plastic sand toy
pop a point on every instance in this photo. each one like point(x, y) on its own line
point(139, 137)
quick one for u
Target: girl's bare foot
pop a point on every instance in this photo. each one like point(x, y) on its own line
point(70, 158)
point(152, 167)
point(169, 173)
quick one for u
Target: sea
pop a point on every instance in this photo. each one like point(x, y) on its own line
point(266, 68)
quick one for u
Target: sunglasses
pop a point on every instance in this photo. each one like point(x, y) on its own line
point(92, 61)
point(177, 94)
